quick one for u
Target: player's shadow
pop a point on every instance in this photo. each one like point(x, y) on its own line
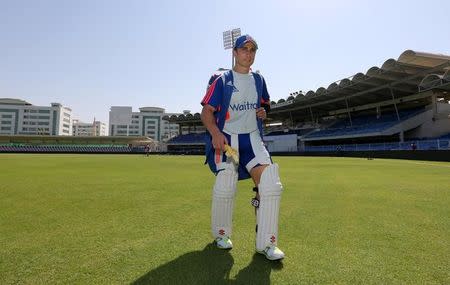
point(208, 266)
point(258, 271)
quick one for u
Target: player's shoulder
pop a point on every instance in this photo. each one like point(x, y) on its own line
point(218, 74)
point(257, 74)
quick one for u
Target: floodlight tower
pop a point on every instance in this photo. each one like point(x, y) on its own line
point(228, 41)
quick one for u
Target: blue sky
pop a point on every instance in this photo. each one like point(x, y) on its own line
point(90, 55)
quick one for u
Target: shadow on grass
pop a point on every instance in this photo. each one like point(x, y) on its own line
point(209, 266)
point(258, 271)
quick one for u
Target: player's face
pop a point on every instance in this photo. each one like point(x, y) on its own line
point(245, 56)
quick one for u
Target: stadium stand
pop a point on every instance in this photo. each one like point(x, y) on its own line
point(366, 124)
point(447, 136)
point(67, 144)
point(188, 139)
point(192, 143)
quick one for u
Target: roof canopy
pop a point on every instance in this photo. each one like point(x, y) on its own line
point(412, 73)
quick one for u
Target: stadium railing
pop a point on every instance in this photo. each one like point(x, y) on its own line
point(435, 144)
point(23, 148)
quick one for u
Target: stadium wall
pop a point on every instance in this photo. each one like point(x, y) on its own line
point(436, 123)
point(427, 155)
point(281, 143)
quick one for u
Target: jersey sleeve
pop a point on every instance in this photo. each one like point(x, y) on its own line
point(214, 93)
point(265, 98)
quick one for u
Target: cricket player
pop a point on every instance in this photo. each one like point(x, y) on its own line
point(234, 107)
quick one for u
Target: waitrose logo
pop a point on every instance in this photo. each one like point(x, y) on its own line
point(243, 107)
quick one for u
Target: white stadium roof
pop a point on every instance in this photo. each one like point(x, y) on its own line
point(413, 73)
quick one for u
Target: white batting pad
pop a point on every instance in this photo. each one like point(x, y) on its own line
point(223, 201)
point(267, 215)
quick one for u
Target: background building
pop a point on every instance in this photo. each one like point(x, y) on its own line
point(147, 122)
point(18, 117)
point(96, 128)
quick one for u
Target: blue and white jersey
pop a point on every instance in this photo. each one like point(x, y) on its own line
point(241, 118)
point(236, 100)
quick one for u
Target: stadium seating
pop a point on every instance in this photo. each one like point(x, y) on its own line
point(192, 138)
point(447, 136)
point(364, 124)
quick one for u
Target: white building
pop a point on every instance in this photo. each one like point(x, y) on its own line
point(147, 122)
point(18, 117)
point(96, 128)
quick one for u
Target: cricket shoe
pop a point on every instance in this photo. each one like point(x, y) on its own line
point(272, 253)
point(224, 242)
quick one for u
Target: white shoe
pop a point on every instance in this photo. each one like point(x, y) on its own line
point(224, 242)
point(272, 253)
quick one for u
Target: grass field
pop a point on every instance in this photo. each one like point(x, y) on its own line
point(121, 219)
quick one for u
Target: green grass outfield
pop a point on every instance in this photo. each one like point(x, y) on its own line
point(121, 219)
